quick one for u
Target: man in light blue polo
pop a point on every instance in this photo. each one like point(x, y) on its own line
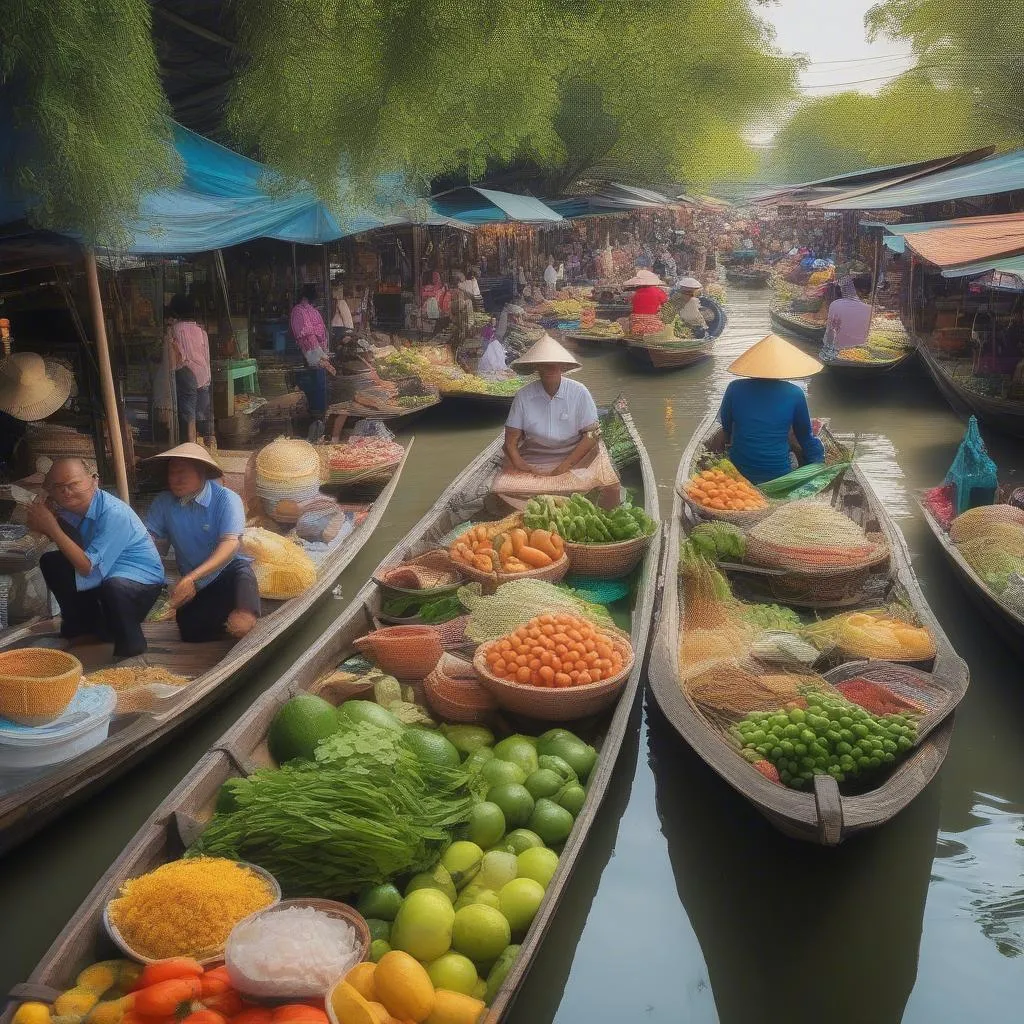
point(203, 521)
point(106, 573)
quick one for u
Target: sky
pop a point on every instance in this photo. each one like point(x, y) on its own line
point(831, 35)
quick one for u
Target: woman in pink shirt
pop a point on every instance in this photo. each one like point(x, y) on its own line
point(190, 355)
point(849, 320)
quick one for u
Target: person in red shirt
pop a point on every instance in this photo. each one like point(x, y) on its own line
point(649, 296)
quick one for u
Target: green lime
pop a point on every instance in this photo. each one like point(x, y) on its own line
point(519, 750)
point(454, 972)
point(462, 861)
point(572, 798)
point(432, 748)
point(496, 772)
point(381, 901)
point(498, 972)
point(543, 782)
point(379, 929)
point(486, 824)
point(477, 760)
point(551, 822)
point(497, 868)
point(537, 863)
point(521, 839)
point(378, 948)
point(520, 900)
point(480, 932)
point(515, 802)
point(353, 711)
point(299, 727)
point(468, 738)
point(438, 879)
point(423, 927)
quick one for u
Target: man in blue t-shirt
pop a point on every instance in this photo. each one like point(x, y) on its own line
point(203, 521)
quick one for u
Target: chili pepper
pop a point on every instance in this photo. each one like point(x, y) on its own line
point(165, 997)
point(168, 970)
point(205, 1016)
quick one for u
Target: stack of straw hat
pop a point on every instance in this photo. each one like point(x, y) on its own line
point(287, 475)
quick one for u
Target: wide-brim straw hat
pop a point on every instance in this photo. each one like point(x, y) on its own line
point(689, 283)
point(287, 459)
point(644, 277)
point(774, 358)
point(31, 387)
point(546, 351)
point(191, 451)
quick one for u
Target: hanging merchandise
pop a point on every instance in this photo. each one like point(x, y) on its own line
point(973, 474)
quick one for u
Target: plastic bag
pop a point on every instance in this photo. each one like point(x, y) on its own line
point(372, 428)
point(973, 474)
point(804, 482)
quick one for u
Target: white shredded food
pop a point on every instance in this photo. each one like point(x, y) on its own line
point(294, 952)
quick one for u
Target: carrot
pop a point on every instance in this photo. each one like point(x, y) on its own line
point(215, 981)
point(165, 997)
point(227, 1003)
point(168, 970)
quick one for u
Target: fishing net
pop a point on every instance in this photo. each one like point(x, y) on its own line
point(973, 474)
point(733, 688)
point(809, 536)
point(283, 570)
point(883, 634)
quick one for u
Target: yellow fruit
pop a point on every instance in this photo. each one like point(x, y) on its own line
point(454, 1008)
point(76, 1002)
point(350, 1007)
point(32, 1013)
point(99, 977)
point(382, 1013)
point(361, 978)
point(111, 1011)
point(404, 986)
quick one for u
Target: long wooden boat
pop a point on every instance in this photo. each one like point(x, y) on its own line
point(825, 816)
point(795, 324)
point(859, 369)
point(1002, 413)
point(1007, 623)
point(676, 355)
point(242, 749)
point(215, 668)
point(748, 278)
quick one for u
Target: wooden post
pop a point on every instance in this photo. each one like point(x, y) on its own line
point(417, 245)
point(874, 275)
point(106, 376)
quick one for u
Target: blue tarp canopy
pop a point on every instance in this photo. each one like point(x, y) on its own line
point(475, 205)
point(991, 176)
point(1012, 265)
point(225, 199)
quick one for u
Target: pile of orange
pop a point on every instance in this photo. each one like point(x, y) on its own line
point(716, 489)
point(555, 651)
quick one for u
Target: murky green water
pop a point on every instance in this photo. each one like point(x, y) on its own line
point(686, 905)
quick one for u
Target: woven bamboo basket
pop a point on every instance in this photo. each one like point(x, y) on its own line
point(457, 699)
point(744, 520)
point(490, 581)
point(606, 561)
point(250, 988)
point(407, 652)
point(562, 704)
point(432, 562)
point(37, 684)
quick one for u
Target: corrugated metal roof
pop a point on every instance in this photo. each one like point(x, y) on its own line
point(465, 204)
point(969, 240)
point(991, 176)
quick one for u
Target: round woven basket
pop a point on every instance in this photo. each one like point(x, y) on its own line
point(407, 652)
point(288, 460)
point(741, 519)
point(458, 700)
point(562, 704)
point(37, 684)
point(249, 988)
point(490, 581)
point(606, 561)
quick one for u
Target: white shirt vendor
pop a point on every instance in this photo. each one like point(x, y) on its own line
point(562, 418)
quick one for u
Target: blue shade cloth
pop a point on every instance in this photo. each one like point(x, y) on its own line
point(758, 415)
point(991, 176)
point(195, 529)
point(475, 205)
point(115, 542)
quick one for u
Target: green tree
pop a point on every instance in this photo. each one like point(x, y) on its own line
point(969, 46)
point(909, 119)
point(83, 95)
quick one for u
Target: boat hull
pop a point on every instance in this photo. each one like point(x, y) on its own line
point(788, 325)
point(859, 370)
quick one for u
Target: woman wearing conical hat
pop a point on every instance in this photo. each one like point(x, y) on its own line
point(552, 434)
point(765, 410)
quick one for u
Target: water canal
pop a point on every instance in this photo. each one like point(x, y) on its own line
point(686, 905)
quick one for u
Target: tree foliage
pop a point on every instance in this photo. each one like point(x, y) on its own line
point(910, 119)
point(89, 117)
point(971, 47)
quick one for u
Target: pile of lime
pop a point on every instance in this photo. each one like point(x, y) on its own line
point(464, 919)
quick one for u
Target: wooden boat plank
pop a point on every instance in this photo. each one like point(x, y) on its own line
point(792, 811)
point(25, 810)
point(788, 325)
point(192, 800)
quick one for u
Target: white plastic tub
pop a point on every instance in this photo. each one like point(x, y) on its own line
point(83, 725)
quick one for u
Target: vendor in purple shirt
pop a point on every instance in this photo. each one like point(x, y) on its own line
point(763, 414)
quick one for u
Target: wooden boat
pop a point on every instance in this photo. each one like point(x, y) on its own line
point(858, 369)
point(1007, 623)
point(216, 668)
point(825, 816)
point(793, 323)
point(1004, 414)
point(676, 355)
point(748, 278)
point(177, 821)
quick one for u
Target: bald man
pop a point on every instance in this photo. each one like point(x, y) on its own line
point(106, 573)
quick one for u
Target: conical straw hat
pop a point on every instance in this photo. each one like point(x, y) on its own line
point(32, 388)
point(191, 451)
point(547, 350)
point(774, 358)
point(643, 277)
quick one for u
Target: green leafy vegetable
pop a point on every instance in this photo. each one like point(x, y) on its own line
point(719, 541)
point(772, 616)
point(442, 609)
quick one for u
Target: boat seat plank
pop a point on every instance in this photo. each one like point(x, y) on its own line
point(829, 803)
